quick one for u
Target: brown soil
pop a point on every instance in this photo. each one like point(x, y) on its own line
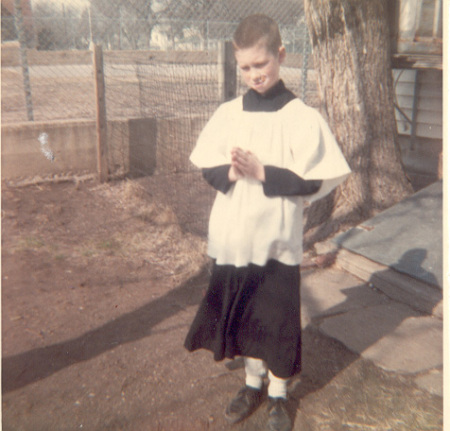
point(99, 286)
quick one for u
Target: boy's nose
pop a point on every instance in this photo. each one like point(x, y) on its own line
point(256, 75)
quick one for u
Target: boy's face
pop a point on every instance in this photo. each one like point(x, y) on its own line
point(259, 67)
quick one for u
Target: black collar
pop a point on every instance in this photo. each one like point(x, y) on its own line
point(275, 99)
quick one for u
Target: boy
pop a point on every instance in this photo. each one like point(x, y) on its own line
point(264, 152)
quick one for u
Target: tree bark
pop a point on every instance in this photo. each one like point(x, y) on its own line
point(351, 52)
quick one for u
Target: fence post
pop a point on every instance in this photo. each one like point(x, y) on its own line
point(227, 71)
point(18, 21)
point(102, 159)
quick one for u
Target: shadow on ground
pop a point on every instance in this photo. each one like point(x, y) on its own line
point(34, 365)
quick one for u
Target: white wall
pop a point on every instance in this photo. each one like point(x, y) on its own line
point(429, 102)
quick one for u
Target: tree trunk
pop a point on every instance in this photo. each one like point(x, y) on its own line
point(351, 51)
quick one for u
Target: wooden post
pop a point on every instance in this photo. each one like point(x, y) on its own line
point(227, 72)
point(18, 22)
point(102, 159)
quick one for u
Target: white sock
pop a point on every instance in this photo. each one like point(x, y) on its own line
point(255, 371)
point(277, 386)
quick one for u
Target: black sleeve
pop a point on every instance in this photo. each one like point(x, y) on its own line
point(283, 182)
point(217, 177)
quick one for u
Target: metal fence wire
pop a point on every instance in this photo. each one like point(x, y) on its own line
point(160, 61)
point(143, 42)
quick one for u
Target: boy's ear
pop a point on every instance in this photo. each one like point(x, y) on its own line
point(281, 54)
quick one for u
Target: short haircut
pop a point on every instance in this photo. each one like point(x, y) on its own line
point(256, 28)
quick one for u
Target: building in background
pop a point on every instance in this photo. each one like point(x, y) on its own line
point(417, 67)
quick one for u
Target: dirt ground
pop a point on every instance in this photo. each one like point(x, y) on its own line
point(99, 286)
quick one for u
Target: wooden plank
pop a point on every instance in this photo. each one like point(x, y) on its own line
point(405, 89)
point(430, 104)
point(398, 286)
point(425, 118)
point(427, 90)
point(422, 131)
point(102, 161)
point(427, 104)
point(429, 131)
point(432, 90)
point(432, 60)
point(425, 25)
point(432, 118)
point(406, 75)
point(405, 102)
point(432, 76)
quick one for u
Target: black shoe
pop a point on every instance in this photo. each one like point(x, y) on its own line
point(279, 419)
point(243, 404)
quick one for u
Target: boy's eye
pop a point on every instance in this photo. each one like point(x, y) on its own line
point(255, 66)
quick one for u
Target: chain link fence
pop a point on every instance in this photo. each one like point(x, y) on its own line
point(143, 41)
point(160, 61)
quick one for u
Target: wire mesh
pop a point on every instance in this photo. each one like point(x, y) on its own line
point(160, 62)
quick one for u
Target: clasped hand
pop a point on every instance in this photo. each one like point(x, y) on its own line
point(245, 164)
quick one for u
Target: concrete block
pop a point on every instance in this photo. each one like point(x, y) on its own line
point(118, 138)
point(330, 292)
point(72, 144)
point(175, 141)
point(392, 335)
point(132, 147)
point(414, 346)
point(142, 146)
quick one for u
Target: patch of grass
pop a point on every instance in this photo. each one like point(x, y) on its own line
point(109, 245)
point(31, 242)
point(363, 398)
point(88, 253)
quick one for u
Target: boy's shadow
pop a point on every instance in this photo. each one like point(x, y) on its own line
point(324, 358)
point(33, 365)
